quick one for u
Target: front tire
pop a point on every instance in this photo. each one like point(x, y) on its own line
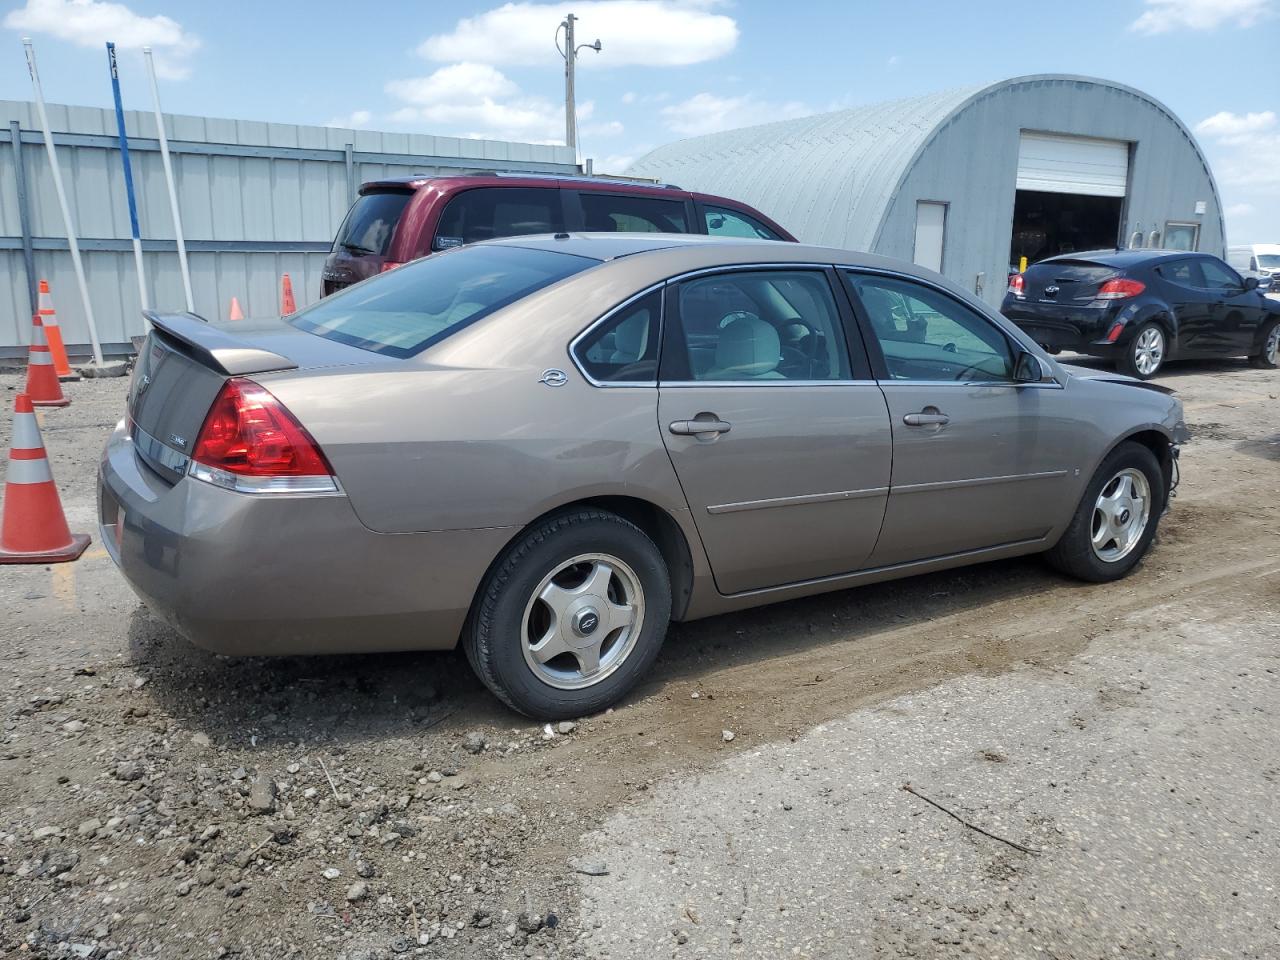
point(1266, 358)
point(570, 616)
point(1117, 517)
point(1146, 353)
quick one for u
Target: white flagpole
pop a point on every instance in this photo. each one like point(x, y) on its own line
point(168, 175)
point(62, 201)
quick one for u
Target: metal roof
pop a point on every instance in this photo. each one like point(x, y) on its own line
point(838, 170)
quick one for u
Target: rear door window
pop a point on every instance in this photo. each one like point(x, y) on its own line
point(723, 222)
point(370, 223)
point(403, 312)
point(624, 349)
point(489, 212)
point(614, 213)
point(1184, 273)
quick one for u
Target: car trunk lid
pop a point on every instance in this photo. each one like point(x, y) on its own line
point(184, 362)
point(1065, 281)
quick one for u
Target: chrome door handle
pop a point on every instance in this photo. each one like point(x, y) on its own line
point(704, 424)
point(926, 419)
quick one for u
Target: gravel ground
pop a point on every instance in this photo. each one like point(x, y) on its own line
point(160, 802)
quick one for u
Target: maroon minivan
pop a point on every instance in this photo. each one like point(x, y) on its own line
point(395, 221)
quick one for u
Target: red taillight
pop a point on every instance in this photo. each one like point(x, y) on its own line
point(1120, 288)
point(1017, 284)
point(390, 265)
point(250, 434)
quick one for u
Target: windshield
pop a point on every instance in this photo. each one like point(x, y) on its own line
point(371, 222)
point(406, 310)
point(1269, 261)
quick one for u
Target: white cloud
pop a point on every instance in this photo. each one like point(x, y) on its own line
point(616, 162)
point(656, 33)
point(90, 23)
point(708, 113)
point(894, 60)
point(1165, 16)
point(1240, 210)
point(355, 120)
point(1227, 125)
point(453, 84)
point(477, 100)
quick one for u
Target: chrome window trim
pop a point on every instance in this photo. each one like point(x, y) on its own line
point(798, 265)
point(605, 318)
point(768, 383)
point(1041, 384)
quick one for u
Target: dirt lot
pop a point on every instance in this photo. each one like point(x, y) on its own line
point(1118, 744)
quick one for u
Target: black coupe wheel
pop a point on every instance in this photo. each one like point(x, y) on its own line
point(1146, 352)
point(1266, 358)
point(571, 615)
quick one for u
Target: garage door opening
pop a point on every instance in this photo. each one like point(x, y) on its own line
point(1047, 224)
point(1070, 195)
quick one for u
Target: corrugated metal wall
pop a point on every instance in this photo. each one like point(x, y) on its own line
point(257, 200)
point(1168, 174)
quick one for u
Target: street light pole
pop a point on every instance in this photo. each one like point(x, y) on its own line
point(570, 119)
point(570, 54)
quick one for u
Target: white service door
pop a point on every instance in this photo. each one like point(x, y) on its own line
point(931, 224)
point(1053, 163)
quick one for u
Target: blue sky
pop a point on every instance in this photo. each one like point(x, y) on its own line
point(669, 68)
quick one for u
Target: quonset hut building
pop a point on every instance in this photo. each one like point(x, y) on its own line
point(969, 181)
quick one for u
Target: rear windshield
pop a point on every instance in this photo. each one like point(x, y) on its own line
point(370, 223)
point(406, 310)
point(1073, 271)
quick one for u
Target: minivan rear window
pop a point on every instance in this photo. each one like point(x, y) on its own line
point(404, 311)
point(370, 223)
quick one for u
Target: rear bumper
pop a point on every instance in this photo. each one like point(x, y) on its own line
point(264, 575)
point(1056, 327)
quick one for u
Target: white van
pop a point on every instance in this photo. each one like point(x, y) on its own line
point(1261, 260)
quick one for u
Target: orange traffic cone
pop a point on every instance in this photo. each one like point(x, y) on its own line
point(236, 313)
point(42, 382)
point(287, 306)
point(34, 528)
point(54, 334)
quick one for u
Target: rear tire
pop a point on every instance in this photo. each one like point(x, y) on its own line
point(1266, 358)
point(570, 616)
point(1146, 353)
point(1111, 530)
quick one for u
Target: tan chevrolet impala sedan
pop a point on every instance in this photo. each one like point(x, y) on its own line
point(547, 448)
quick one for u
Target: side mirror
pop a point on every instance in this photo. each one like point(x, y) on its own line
point(1031, 369)
point(1250, 283)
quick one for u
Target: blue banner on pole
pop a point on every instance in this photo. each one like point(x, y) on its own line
point(124, 141)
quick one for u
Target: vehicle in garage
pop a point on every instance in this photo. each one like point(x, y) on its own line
point(475, 448)
point(394, 221)
point(1143, 308)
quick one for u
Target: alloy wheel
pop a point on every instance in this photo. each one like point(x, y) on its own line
point(1148, 352)
point(1120, 515)
point(582, 621)
point(1272, 346)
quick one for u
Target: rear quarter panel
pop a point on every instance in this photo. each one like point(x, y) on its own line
point(466, 435)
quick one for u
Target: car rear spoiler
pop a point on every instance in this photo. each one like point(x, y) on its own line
point(216, 348)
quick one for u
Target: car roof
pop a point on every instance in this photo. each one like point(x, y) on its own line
point(1122, 258)
point(611, 246)
point(499, 178)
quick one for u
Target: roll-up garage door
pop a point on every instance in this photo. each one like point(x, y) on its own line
point(1053, 163)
